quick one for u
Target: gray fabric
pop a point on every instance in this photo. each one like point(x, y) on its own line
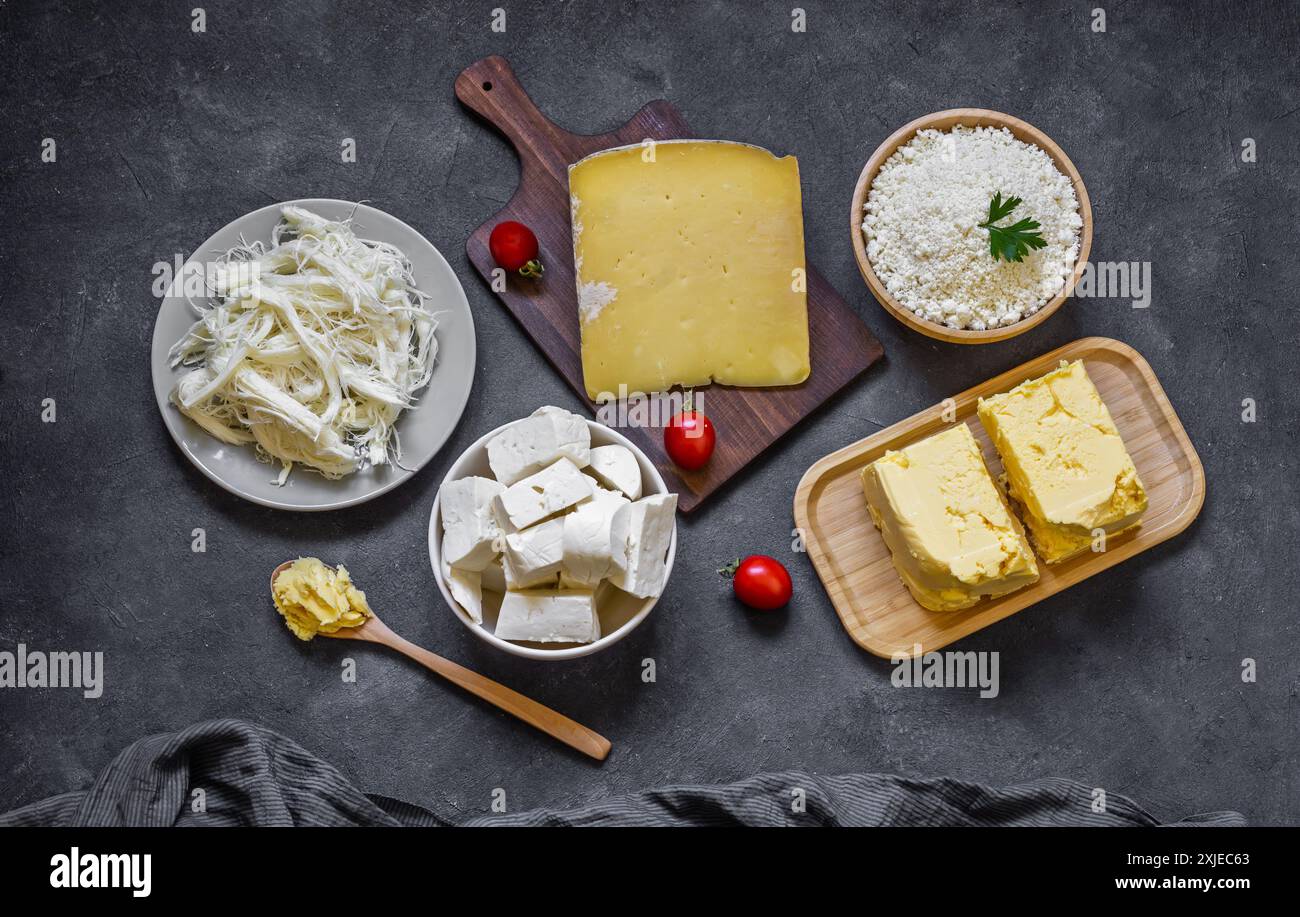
point(249, 775)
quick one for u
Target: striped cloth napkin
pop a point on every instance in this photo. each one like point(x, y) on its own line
point(253, 776)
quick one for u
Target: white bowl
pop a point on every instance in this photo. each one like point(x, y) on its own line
point(619, 612)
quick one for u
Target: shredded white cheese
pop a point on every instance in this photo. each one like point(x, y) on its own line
point(310, 350)
point(924, 241)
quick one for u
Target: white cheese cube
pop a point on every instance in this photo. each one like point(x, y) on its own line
point(494, 577)
point(551, 490)
point(466, 588)
point(533, 555)
point(641, 532)
point(503, 521)
point(567, 616)
point(588, 549)
point(469, 525)
point(616, 467)
point(529, 445)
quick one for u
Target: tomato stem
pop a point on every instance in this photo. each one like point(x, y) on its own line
point(532, 269)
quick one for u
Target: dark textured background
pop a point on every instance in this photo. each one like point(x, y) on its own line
point(1129, 681)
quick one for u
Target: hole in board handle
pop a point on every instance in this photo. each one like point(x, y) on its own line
point(487, 86)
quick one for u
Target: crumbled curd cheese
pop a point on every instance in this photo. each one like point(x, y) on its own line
point(921, 222)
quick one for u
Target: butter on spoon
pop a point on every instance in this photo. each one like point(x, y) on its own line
point(317, 599)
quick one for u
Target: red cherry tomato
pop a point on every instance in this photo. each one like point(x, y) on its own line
point(514, 247)
point(689, 439)
point(761, 582)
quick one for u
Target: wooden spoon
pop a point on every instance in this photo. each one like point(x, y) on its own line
point(575, 735)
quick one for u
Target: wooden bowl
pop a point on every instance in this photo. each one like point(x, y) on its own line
point(944, 120)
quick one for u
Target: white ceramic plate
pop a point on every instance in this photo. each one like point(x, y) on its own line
point(423, 428)
point(619, 612)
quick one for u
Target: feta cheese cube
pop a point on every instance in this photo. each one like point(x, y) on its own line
point(588, 548)
point(533, 555)
point(494, 576)
point(566, 616)
point(551, 490)
point(640, 533)
point(616, 467)
point(469, 526)
point(526, 447)
point(466, 588)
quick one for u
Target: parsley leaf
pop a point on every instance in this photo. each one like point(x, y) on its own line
point(1013, 242)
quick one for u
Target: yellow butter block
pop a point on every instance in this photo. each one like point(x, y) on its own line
point(1066, 464)
point(949, 530)
point(690, 267)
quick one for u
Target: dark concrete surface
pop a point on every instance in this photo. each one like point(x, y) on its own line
point(1130, 681)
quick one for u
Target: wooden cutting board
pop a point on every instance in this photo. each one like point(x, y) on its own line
point(854, 564)
point(747, 420)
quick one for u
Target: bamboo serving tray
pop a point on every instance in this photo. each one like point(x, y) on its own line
point(854, 564)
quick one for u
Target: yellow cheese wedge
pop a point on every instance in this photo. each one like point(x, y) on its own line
point(949, 531)
point(690, 267)
point(1066, 464)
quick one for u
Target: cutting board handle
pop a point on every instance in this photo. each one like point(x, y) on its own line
point(490, 88)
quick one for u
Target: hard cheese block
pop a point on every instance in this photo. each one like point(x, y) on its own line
point(690, 268)
point(949, 531)
point(1066, 463)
